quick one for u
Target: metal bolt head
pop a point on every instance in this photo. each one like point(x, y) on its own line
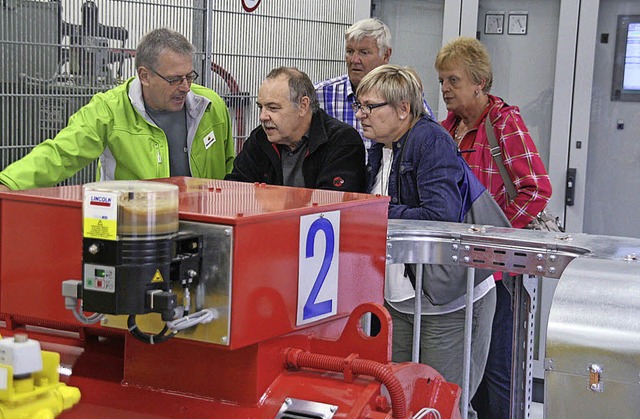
point(467, 248)
point(454, 258)
point(455, 247)
point(540, 268)
point(552, 270)
point(466, 259)
point(552, 258)
point(476, 229)
point(93, 249)
point(548, 364)
point(539, 256)
point(595, 368)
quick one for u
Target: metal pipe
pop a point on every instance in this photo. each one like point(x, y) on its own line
point(468, 327)
point(208, 42)
point(417, 316)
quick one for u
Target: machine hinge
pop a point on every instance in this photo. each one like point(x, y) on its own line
point(595, 377)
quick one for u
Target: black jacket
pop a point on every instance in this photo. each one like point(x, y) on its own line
point(335, 158)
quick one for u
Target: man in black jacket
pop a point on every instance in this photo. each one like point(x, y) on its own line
point(297, 143)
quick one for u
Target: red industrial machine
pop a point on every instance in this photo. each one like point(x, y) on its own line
point(249, 303)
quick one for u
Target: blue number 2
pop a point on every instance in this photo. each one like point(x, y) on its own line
point(311, 307)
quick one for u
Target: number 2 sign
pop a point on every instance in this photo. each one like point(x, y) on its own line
point(318, 267)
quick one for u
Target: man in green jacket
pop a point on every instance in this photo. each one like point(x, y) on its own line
point(155, 125)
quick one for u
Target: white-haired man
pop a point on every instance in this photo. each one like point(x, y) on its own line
point(367, 46)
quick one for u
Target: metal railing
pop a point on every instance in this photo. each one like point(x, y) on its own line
point(532, 254)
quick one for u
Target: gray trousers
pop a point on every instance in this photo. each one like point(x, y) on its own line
point(442, 341)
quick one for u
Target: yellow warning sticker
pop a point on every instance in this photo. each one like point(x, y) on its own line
point(100, 215)
point(100, 229)
point(157, 277)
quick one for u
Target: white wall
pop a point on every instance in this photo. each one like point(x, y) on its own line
point(524, 65)
point(613, 176)
point(416, 27)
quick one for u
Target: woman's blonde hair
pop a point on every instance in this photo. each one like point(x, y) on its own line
point(470, 54)
point(395, 84)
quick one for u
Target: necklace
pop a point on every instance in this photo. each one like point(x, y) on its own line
point(459, 136)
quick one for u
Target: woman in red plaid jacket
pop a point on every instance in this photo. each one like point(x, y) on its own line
point(464, 72)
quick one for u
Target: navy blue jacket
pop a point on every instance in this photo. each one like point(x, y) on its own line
point(429, 180)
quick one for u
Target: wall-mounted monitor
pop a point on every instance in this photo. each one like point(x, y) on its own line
point(626, 64)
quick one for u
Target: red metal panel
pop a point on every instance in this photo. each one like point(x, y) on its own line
point(265, 270)
point(40, 246)
point(190, 379)
point(358, 399)
point(235, 203)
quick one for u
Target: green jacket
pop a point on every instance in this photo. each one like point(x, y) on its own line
point(115, 127)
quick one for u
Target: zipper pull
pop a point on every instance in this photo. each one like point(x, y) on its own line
point(158, 154)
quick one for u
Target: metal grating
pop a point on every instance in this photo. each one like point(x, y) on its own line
point(58, 54)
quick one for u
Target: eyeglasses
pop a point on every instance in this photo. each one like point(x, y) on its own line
point(175, 81)
point(366, 109)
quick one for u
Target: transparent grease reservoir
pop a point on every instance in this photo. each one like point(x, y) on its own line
point(130, 210)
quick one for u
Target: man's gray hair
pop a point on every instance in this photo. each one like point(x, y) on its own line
point(156, 41)
point(372, 27)
point(300, 85)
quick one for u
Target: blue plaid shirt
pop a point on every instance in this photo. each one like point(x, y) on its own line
point(336, 97)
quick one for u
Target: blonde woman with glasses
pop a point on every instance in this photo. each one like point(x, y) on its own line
point(416, 163)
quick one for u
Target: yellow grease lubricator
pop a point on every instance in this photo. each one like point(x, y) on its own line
point(29, 381)
point(129, 228)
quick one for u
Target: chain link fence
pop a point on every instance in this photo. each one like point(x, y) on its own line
point(58, 54)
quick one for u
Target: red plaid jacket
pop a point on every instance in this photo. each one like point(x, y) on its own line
point(520, 157)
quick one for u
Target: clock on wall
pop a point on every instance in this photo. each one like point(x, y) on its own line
point(494, 23)
point(518, 23)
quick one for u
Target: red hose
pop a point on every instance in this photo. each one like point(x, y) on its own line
point(235, 90)
point(297, 358)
